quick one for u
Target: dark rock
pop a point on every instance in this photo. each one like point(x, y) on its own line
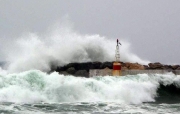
point(167, 67)
point(178, 68)
point(85, 66)
point(106, 65)
point(123, 64)
point(80, 66)
point(96, 65)
point(174, 67)
point(71, 70)
point(155, 65)
point(74, 65)
point(82, 73)
point(146, 67)
point(61, 68)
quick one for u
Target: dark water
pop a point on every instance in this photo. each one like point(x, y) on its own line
point(90, 108)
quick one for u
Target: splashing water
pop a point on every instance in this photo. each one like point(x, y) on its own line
point(40, 92)
point(61, 46)
point(36, 86)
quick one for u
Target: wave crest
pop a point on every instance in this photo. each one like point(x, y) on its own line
point(36, 86)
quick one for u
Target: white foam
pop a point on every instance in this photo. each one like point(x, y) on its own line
point(36, 86)
point(3, 72)
point(63, 45)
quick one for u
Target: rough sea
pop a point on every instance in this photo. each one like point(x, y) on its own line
point(36, 92)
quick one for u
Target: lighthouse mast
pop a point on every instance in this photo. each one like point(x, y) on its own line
point(117, 55)
point(117, 65)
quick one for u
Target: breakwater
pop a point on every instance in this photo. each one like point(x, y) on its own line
point(105, 72)
point(88, 68)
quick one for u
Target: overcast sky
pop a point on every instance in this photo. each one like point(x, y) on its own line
point(151, 26)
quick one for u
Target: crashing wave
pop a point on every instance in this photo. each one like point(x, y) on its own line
point(37, 86)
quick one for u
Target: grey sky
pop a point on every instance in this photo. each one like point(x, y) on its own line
point(151, 26)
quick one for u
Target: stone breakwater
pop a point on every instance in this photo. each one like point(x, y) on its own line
point(82, 69)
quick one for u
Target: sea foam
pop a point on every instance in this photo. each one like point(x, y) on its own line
point(62, 45)
point(35, 86)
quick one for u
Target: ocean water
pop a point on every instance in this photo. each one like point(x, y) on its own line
point(37, 92)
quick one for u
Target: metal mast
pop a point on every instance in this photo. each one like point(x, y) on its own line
point(117, 53)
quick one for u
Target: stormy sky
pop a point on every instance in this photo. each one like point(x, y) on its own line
point(151, 26)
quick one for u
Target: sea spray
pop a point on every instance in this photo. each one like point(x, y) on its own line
point(35, 86)
point(60, 46)
point(2, 71)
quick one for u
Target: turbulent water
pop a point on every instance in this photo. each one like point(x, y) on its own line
point(59, 46)
point(37, 92)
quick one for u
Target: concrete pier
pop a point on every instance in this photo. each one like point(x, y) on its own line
point(108, 72)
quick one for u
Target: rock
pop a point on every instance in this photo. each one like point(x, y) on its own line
point(96, 65)
point(167, 67)
point(82, 73)
point(71, 70)
point(60, 68)
point(106, 64)
point(85, 66)
point(174, 67)
point(124, 68)
point(134, 66)
point(146, 67)
point(155, 65)
point(74, 65)
point(178, 68)
point(127, 65)
point(80, 66)
point(82, 69)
